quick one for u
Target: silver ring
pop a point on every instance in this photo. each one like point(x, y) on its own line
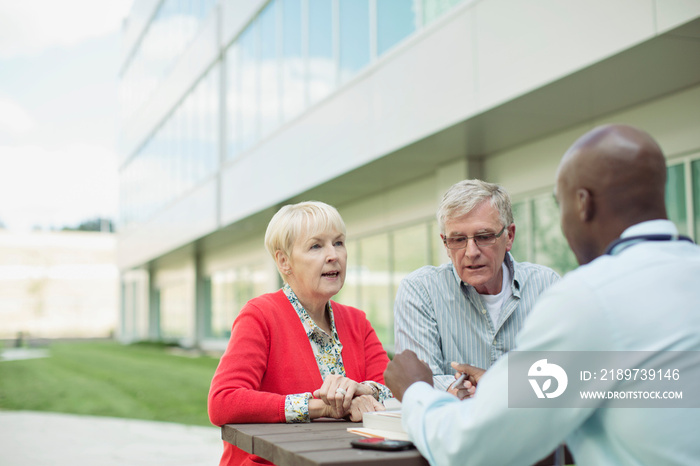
point(341, 391)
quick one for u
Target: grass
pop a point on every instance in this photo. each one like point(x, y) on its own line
point(140, 381)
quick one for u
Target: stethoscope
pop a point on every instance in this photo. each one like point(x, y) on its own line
point(643, 238)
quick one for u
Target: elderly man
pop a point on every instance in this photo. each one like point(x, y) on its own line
point(636, 294)
point(469, 310)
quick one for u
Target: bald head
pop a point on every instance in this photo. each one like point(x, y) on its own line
point(611, 178)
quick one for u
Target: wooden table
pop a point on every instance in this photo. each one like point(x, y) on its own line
point(320, 442)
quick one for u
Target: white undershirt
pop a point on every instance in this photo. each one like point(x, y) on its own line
point(494, 302)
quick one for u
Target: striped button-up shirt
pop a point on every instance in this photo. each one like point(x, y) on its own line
point(442, 319)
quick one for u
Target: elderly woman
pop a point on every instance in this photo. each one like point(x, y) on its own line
point(294, 355)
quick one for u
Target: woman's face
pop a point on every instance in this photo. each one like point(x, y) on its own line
point(317, 266)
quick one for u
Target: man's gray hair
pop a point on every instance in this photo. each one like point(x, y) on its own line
point(464, 196)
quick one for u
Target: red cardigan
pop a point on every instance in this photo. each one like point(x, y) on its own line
point(268, 334)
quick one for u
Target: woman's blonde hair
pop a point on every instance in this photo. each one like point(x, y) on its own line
point(293, 220)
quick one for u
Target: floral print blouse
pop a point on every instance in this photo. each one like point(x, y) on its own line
point(327, 350)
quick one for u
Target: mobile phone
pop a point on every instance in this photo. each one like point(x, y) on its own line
point(377, 443)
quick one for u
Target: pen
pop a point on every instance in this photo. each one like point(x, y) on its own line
point(461, 379)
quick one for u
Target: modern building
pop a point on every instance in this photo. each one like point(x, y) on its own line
point(58, 284)
point(233, 108)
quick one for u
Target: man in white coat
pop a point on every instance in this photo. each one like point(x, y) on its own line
point(636, 293)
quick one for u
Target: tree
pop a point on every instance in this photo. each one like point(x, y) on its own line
point(93, 224)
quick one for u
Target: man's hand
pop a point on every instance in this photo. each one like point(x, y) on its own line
point(405, 370)
point(467, 388)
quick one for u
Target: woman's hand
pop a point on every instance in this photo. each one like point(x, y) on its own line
point(338, 392)
point(363, 404)
point(317, 408)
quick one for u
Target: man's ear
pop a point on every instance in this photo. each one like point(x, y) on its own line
point(510, 231)
point(585, 204)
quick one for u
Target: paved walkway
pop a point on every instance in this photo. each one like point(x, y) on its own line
point(37, 439)
point(14, 354)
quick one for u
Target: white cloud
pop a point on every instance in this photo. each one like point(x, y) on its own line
point(56, 187)
point(14, 119)
point(31, 26)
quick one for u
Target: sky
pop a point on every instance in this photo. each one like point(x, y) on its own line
point(59, 65)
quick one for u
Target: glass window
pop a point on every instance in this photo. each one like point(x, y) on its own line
point(165, 190)
point(696, 197)
point(411, 251)
point(211, 123)
point(230, 290)
point(188, 109)
point(200, 119)
point(181, 119)
point(221, 301)
point(269, 74)
point(233, 101)
point(293, 90)
point(173, 28)
point(675, 197)
point(248, 75)
point(551, 248)
point(175, 314)
point(350, 293)
point(378, 263)
point(321, 79)
point(181, 153)
point(189, 19)
point(396, 19)
point(433, 9)
point(438, 254)
point(354, 37)
point(208, 126)
point(521, 245)
point(375, 281)
point(192, 147)
point(126, 192)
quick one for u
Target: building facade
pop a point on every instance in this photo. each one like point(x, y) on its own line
point(58, 284)
point(233, 108)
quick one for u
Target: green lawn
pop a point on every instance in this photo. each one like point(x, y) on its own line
point(139, 381)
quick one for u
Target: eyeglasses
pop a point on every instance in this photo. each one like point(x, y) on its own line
point(484, 239)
